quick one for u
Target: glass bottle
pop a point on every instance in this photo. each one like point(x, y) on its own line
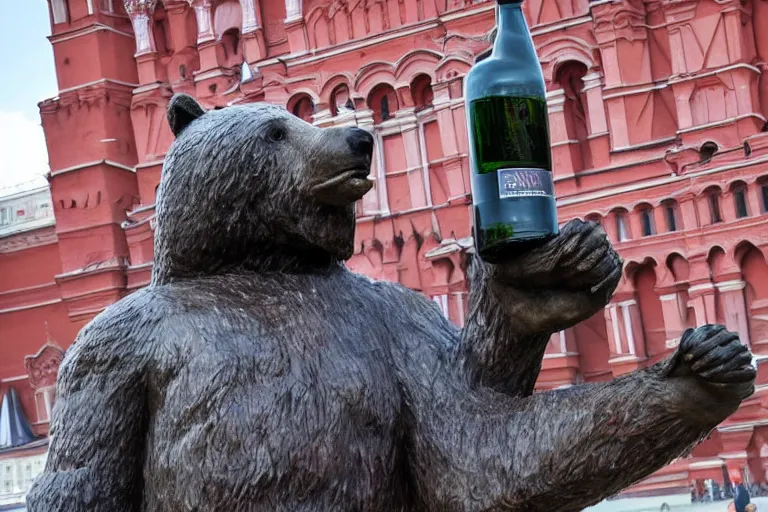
point(510, 155)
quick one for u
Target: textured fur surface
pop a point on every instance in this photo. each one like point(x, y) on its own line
point(256, 373)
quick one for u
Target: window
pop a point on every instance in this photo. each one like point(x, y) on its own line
point(621, 227)
point(740, 200)
point(303, 107)
point(570, 77)
point(646, 215)
point(714, 208)
point(8, 479)
point(594, 217)
point(421, 92)
point(341, 101)
point(384, 108)
point(383, 101)
point(671, 219)
point(6, 216)
point(764, 190)
point(230, 41)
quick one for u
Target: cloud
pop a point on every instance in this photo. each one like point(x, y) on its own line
point(23, 154)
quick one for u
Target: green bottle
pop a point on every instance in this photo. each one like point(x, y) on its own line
point(510, 156)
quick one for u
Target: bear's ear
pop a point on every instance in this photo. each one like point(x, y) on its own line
point(182, 110)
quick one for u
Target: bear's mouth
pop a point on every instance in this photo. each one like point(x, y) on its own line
point(344, 188)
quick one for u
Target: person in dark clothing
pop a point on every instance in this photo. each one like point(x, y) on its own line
point(740, 494)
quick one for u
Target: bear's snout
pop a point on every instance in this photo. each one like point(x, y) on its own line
point(360, 141)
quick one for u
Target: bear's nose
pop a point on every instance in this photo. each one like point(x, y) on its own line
point(360, 141)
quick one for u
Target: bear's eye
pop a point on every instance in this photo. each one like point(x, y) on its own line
point(276, 134)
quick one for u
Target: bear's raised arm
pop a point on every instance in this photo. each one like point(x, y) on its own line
point(517, 306)
point(476, 449)
point(97, 438)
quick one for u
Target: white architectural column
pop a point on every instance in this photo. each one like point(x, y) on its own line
point(250, 16)
point(203, 17)
point(418, 183)
point(614, 329)
point(628, 326)
point(59, 10)
point(292, 10)
point(624, 329)
point(735, 308)
point(141, 12)
point(595, 106)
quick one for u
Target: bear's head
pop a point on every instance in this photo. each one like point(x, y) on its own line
point(255, 188)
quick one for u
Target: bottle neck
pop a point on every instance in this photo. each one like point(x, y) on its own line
point(512, 35)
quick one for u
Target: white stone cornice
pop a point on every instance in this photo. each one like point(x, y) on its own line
point(561, 355)
point(728, 286)
point(96, 27)
point(701, 287)
point(704, 464)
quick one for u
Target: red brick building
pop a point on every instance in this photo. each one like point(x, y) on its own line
point(657, 111)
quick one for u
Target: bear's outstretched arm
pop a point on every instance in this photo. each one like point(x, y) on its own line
point(515, 307)
point(473, 449)
point(96, 444)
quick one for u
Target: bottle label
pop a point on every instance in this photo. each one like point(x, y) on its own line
point(525, 183)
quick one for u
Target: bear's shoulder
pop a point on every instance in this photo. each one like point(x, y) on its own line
point(409, 310)
point(118, 340)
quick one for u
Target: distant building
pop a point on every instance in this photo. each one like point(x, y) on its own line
point(25, 210)
point(657, 111)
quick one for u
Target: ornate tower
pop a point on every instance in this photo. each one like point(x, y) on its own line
point(92, 150)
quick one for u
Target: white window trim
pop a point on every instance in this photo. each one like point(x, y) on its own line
point(442, 303)
point(622, 231)
point(381, 177)
point(423, 119)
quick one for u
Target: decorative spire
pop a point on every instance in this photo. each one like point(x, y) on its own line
point(14, 427)
point(48, 339)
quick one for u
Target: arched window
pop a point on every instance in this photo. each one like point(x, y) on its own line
point(763, 184)
point(707, 151)
point(739, 192)
point(713, 200)
point(230, 42)
point(671, 213)
point(341, 101)
point(570, 77)
point(594, 217)
point(302, 107)
point(227, 20)
point(421, 92)
point(383, 101)
point(622, 224)
point(646, 219)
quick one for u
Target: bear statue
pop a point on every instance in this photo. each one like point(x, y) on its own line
point(257, 373)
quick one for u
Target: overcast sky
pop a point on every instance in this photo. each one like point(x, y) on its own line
point(27, 76)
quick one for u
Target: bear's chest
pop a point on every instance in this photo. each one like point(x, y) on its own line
point(294, 392)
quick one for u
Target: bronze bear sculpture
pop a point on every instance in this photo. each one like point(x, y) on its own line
point(257, 373)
